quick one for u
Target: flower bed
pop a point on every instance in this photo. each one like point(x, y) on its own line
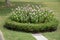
point(32, 18)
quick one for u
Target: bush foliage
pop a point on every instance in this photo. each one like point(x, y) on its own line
point(31, 27)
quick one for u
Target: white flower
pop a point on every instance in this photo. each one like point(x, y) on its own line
point(16, 8)
point(37, 7)
point(35, 10)
point(50, 11)
point(30, 7)
point(33, 13)
point(42, 9)
point(32, 10)
point(42, 13)
point(38, 10)
point(45, 15)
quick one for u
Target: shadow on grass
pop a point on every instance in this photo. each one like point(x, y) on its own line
point(14, 29)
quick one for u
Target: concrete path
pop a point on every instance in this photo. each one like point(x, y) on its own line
point(38, 36)
point(1, 36)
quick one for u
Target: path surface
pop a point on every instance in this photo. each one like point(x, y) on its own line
point(1, 36)
point(38, 36)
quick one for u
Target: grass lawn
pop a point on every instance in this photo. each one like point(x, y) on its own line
point(54, 35)
point(15, 35)
point(34, 0)
point(9, 34)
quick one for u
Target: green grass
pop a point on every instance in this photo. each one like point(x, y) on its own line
point(14, 35)
point(9, 34)
point(56, 7)
point(33, 0)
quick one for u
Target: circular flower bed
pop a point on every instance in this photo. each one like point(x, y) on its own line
point(32, 18)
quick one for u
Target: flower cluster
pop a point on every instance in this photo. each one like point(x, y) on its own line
point(32, 14)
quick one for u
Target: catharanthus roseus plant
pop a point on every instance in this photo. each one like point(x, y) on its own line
point(32, 14)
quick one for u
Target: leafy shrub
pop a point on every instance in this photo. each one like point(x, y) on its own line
point(30, 27)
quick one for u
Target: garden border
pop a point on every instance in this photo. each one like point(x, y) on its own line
point(30, 27)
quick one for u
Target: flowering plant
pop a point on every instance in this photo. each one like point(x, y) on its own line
point(32, 14)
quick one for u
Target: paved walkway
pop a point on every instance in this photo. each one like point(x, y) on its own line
point(38, 36)
point(1, 36)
